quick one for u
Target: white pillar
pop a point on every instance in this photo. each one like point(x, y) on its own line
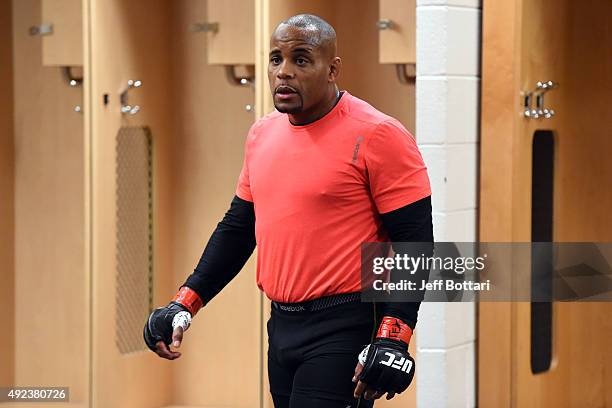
point(447, 118)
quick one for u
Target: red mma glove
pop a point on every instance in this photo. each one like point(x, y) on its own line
point(387, 365)
point(164, 320)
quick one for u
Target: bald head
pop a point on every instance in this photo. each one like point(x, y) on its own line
point(318, 32)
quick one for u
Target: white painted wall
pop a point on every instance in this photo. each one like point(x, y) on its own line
point(447, 117)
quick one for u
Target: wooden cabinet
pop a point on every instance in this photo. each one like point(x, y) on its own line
point(232, 40)
point(397, 38)
point(521, 47)
point(43, 184)
point(197, 122)
point(64, 46)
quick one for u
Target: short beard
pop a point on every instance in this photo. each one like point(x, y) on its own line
point(297, 109)
point(291, 111)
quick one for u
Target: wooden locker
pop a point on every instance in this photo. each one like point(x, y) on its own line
point(64, 46)
point(198, 123)
point(397, 25)
point(232, 42)
point(66, 208)
point(48, 273)
point(520, 48)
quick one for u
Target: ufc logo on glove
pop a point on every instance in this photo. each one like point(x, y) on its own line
point(403, 364)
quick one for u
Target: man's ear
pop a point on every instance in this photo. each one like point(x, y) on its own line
point(334, 69)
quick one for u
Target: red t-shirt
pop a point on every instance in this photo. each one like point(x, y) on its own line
point(317, 190)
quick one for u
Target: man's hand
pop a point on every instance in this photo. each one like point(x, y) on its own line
point(385, 366)
point(165, 351)
point(363, 389)
point(166, 325)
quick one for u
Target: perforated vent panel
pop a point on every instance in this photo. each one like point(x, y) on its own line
point(134, 296)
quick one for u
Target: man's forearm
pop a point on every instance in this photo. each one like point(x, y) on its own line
point(411, 223)
point(228, 249)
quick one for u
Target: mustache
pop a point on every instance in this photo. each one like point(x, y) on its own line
point(285, 89)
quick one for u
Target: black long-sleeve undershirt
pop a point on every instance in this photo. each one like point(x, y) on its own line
point(233, 242)
point(411, 223)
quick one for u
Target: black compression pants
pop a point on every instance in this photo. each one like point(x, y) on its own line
point(312, 355)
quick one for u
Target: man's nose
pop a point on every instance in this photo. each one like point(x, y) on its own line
point(285, 71)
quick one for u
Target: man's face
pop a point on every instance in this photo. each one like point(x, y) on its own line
point(298, 70)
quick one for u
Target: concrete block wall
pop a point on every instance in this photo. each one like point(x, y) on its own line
point(447, 118)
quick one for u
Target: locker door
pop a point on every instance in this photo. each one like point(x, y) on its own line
point(44, 276)
point(166, 157)
point(231, 40)
point(129, 41)
point(64, 46)
point(546, 355)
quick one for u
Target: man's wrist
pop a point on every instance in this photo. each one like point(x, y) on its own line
point(392, 328)
point(189, 299)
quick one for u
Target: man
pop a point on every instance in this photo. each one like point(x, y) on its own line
point(322, 174)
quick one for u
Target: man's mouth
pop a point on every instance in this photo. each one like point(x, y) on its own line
point(285, 92)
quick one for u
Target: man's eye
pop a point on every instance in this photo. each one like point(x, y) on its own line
point(275, 60)
point(301, 61)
